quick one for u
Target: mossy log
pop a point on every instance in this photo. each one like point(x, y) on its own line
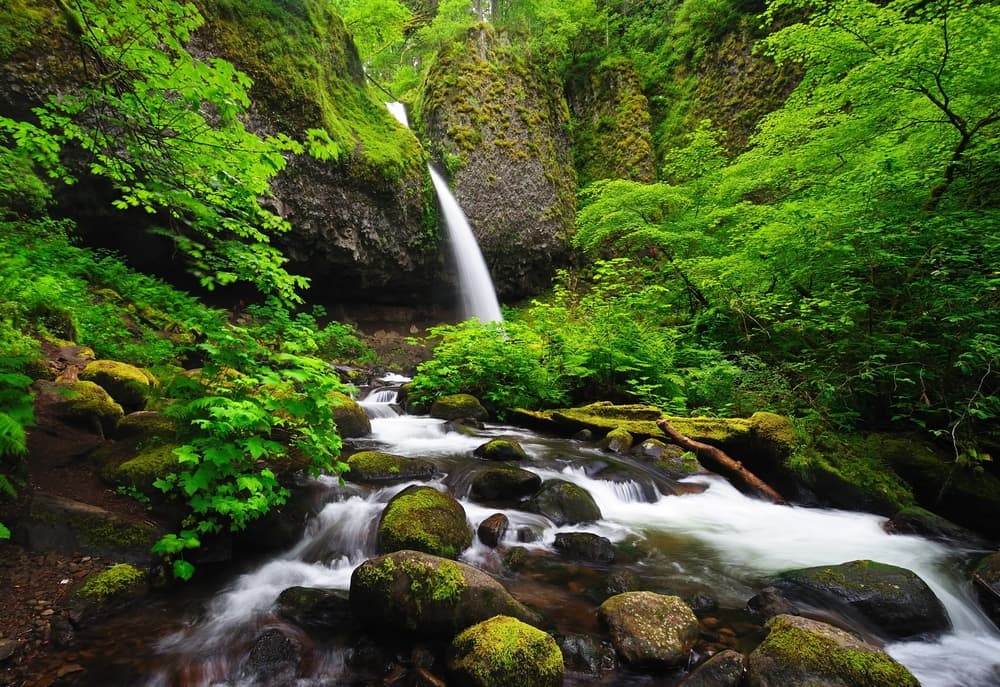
point(718, 460)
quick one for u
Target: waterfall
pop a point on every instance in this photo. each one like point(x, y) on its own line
point(479, 298)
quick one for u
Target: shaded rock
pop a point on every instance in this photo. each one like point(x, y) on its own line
point(492, 530)
point(146, 423)
point(351, 419)
point(916, 520)
point(585, 546)
point(85, 404)
point(770, 602)
point(504, 651)
point(274, 656)
point(620, 581)
point(618, 440)
point(376, 466)
point(129, 385)
point(585, 654)
point(564, 503)
point(893, 601)
point(986, 585)
point(327, 610)
point(464, 426)
point(725, 669)
point(702, 604)
point(455, 406)
point(139, 467)
point(799, 652)
point(650, 629)
point(501, 449)
point(503, 483)
point(424, 519)
point(107, 592)
point(414, 592)
point(584, 435)
point(54, 523)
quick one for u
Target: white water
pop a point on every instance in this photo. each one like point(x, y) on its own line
point(719, 540)
point(479, 298)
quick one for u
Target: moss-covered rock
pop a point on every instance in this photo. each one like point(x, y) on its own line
point(150, 462)
point(351, 419)
point(147, 423)
point(894, 601)
point(501, 449)
point(618, 440)
point(416, 593)
point(500, 125)
point(503, 483)
point(986, 584)
point(424, 519)
point(129, 385)
point(585, 546)
point(325, 610)
point(377, 467)
point(799, 652)
point(504, 651)
point(109, 591)
point(724, 669)
point(85, 404)
point(917, 520)
point(650, 629)
point(455, 406)
point(564, 503)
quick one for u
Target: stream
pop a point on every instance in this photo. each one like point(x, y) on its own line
point(708, 539)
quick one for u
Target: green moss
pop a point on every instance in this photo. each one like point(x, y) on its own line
point(442, 582)
point(504, 651)
point(116, 580)
point(128, 385)
point(151, 463)
point(88, 402)
point(378, 575)
point(351, 419)
point(374, 461)
point(424, 519)
point(860, 666)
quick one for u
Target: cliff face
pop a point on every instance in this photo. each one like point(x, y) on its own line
point(360, 221)
point(501, 129)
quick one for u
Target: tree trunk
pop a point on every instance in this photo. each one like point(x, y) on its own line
point(718, 460)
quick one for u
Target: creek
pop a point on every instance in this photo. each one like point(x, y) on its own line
point(696, 537)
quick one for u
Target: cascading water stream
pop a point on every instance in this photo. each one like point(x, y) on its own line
point(479, 298)
point(716, 541)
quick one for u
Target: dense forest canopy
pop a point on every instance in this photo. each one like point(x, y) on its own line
point(839, 264)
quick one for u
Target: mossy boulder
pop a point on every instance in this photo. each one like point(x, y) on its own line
point(564, 503)
point(986, 585)
point(456, 406)
point(412, 592)
point(724, 669)
point(85, 404)
point(149, 463)
point(129, 385)
point(503, 483)
point(147, 423)
point(893, 602)
point(378, 467)
point(503, 651)
point(424, 519)
point(917, 520)
point(618, 440)
point(313, 608)
point(799, 652)
point(351, 419)
point(500, 449)
point(650, 629)
point(104, 593)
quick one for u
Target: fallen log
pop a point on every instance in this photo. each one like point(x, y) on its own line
point(718, 460)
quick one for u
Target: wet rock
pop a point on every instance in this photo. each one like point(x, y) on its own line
point(492, 530)
point(63, 634)
point(702, 604)
point(504, 651)
point(621, 581)
point(893, 601)
point(650, 629)
point(503, 483)
point(455, 406)
point(799, 652)
point(770, 602)
point(107, 592)
point(501, 449)
point(725, 669)
point(564, 503)
point(986, 584)
point(129, 385)
point(584, 435)
point(585, 546)
point(618, 440)
point(424, 519)
point(274, 656)
point(379, 467)
point(313, 608)
point(416, 593)
point(585, 654)
point(916, 520)
point(351, 419)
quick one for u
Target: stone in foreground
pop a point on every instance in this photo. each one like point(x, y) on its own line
point(504, 652)
point(650, 629)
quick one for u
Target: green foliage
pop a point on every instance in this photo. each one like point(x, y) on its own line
point(164, 127)
point(17, 353)
point(300, 333)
